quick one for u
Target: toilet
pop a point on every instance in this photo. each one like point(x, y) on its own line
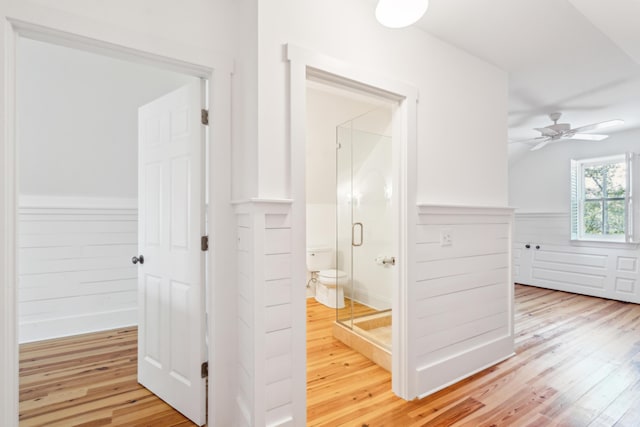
point(329, 282)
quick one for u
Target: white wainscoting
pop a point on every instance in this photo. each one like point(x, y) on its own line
point(462, 302)
point(265, 339)
point(75, 271)
point(552, 261)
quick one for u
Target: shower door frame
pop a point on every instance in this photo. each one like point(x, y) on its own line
point(354, 268)
point(308, 65)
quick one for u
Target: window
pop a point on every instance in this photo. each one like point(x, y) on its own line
point(601, 199)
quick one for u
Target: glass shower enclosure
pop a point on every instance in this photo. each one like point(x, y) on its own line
point(364, 239)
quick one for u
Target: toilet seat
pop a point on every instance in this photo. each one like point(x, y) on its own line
point(332, 274)
point(331, 278)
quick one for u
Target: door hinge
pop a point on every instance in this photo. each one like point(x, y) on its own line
point(204, 243)
point(204, 370)
point(204, 116)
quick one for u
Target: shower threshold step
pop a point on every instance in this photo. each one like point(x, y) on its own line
point(370, 336)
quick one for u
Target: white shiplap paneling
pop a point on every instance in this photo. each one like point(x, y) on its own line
point(75, 271)
point(462, 300)
point(608, 270)
point(264, 314)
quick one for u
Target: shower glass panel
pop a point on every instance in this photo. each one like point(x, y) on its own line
point(364, 226)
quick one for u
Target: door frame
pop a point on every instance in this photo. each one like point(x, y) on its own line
point(305, 64)
point(72, 31)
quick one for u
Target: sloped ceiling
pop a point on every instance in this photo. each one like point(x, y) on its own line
point(617, 19)
point(579, 57)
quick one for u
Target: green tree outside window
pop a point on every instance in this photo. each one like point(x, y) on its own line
point(604, 195)
point(602, 201)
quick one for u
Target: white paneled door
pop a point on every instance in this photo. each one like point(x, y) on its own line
point(171, 296)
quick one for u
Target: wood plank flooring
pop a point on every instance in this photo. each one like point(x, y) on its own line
point(88, 380)
point(577, 364)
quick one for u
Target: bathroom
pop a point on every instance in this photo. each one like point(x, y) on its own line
point(350, 212)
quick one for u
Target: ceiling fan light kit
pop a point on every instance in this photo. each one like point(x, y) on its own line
point(561, 131)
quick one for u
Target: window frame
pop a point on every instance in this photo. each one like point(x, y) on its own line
point(579, 200)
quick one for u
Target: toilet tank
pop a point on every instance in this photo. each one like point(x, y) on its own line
point(319, 258)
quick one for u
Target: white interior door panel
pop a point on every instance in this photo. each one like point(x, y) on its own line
point(171, 335)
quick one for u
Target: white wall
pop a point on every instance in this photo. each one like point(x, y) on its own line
point(75, 271)
point(264, 293)
point(461, 318)
point(242, 17)
point(326, 109)
point(209, 32)
point(552, 261)
point(461, 116)
point(226, 27)
point(539, 180)
point(462, 121)
point(539, 190)
point(77, 118)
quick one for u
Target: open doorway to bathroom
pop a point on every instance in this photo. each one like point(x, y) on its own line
point(349, 215)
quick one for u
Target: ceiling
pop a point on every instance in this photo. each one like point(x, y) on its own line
point(578, 57)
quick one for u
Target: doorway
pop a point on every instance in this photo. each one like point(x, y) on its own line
point(77, 148)
point(116, 41)
point(350, 238)
point(306, 65)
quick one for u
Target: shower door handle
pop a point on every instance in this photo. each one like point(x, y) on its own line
point(353, 234)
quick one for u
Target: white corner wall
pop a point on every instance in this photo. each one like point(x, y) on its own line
point(539, 190)
point(462, 121)
point(461, 131)
point(242, 17)
point(264, 306)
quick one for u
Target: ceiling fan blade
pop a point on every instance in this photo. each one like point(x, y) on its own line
point(597, 126)
point(542, 144)
point(588, 136)
point(527, 140)
point(547, 131)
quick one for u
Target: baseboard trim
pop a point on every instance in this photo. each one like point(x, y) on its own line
point(45, 329)
point(444, 373)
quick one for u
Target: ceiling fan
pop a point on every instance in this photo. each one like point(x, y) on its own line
point(559, 131)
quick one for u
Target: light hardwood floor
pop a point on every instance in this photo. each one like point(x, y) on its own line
point(577, 364)
point(88, 380)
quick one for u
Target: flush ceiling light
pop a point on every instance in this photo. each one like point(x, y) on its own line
point(400, 13)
